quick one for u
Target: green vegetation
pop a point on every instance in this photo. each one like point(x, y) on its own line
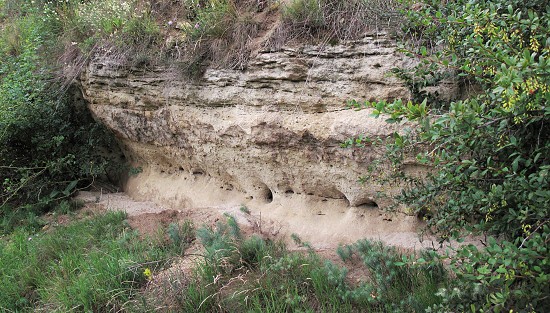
point(217, 33)
point(95, 264)
point(240, 274)
point(489, 155)
point(98, 263)
point(49, 144)
point(489, 151)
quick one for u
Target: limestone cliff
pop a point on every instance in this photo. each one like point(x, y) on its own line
point(269, 135)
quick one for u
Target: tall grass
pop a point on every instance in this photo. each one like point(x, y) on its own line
point(96, 264)
point(219, 33)
point(334, 20)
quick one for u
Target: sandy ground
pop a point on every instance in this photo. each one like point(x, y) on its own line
point(324, 228)
point(146, 216)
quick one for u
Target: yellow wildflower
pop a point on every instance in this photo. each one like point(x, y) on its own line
point(147, 273)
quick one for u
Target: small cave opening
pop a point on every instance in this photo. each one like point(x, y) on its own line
point(268, 196)
point(348, 203)
point(368, 203)
point(289, 192)
point(263, 192)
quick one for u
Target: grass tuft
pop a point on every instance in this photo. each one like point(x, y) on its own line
point(181, 235)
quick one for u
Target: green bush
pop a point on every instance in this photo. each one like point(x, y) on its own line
point(227, 250)
point(49, 143)
point(505, 275)
point(397, 282)
point(489, 152)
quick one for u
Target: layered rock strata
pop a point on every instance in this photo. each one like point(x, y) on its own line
point(269, 136)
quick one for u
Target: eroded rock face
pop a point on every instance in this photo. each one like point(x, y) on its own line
point(276, 127)
point(263, 136)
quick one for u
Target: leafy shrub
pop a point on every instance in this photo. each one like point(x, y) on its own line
point(50, 144)
point(489, 152)
point(503, 275)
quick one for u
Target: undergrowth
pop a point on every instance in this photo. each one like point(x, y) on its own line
point(192, 33)
point(252, 274)
point(96, 264)
point(224, 33)
point(50, 145)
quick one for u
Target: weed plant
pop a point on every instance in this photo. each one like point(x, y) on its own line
point(245, 209)
point(180, 235)
point(396, 285)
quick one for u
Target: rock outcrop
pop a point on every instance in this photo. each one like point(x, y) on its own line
point(269, 136)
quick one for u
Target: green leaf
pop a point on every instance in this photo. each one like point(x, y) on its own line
point(423, 51)
point(515, 164)
point(70, 187)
